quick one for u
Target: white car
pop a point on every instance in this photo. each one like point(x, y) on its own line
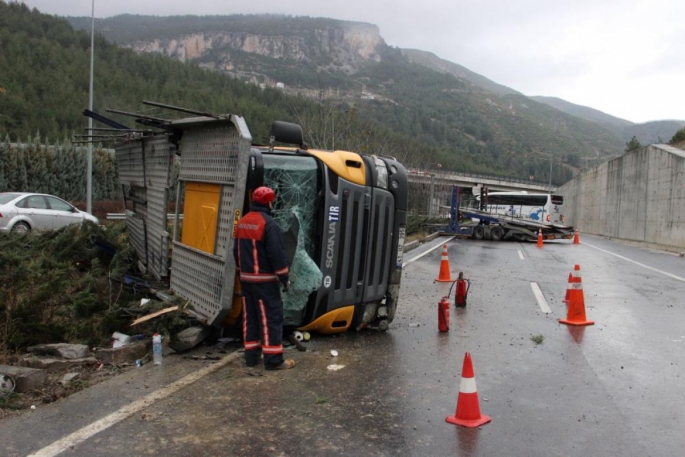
point(21, 212)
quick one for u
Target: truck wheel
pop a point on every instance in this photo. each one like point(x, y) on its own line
point(478, 232)
point(497, 234)
point(21, 227)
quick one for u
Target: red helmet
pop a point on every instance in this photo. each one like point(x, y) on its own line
point(263, 195)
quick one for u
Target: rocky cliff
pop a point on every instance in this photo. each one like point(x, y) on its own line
point(344, 47)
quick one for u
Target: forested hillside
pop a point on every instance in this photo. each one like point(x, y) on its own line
point(420, 116)
point(478, 123)
point(44, 89)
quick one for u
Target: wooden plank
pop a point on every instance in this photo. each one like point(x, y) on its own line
point(155, 314)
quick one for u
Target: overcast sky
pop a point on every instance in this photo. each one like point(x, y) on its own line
point(623, 57)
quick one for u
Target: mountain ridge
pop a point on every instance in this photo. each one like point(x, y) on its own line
point(338, 73)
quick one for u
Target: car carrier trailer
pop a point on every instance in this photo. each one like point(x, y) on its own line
point(468, 221)
point(343, 216)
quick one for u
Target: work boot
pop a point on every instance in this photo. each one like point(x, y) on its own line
point(252, 362)
point(287, 364)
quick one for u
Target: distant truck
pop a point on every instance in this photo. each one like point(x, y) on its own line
point(343, 216)
point(514, 216)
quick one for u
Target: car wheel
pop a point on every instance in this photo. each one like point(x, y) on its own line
point(21, 227)
point(478, 232)
point(497, 233)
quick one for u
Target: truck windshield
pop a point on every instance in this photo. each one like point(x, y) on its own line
point(295, 179)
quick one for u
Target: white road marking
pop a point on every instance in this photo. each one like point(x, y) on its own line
point(96, 427)
point(521, 255)
point(427, 252)
point(665, 273)
point(542, 303)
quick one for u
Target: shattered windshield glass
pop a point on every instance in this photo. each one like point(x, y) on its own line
point(295, 181)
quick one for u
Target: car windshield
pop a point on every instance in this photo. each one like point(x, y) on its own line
point(7, 197)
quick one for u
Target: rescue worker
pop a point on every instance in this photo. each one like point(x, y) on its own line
point(260, 256)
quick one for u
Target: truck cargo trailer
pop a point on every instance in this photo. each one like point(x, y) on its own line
point(343, 216)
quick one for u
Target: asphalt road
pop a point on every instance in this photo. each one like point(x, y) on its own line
point(613, 388)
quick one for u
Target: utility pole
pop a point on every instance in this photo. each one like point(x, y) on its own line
point(89, 178)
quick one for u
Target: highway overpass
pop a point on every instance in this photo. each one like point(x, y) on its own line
point(430, 192)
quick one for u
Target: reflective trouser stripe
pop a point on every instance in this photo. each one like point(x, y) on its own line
point(265, 328)
point(253, 344)
point(273, 349)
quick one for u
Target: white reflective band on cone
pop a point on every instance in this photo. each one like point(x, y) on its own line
point(577, 285)
point(468, 386)
point(575, 274)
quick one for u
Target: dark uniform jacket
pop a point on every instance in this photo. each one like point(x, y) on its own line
point(258, 249)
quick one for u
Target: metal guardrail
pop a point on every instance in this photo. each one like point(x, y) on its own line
point(452, 175)
point(440, 173)
point(122, 216)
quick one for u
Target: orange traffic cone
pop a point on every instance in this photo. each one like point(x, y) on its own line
point(539, 238)
point(444, 275)
point(576, 238)
point(468, 410)
point(568, 288)
point(576, 302)
point(573, 276)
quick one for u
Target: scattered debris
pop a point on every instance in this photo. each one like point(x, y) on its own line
point(67, 378)
point(25, 379)
point(228, 340)
point(189, 338)
point(334, 353)
point(120, 339)
point(124, 354)
point(293, 339)
point(153, 315)
point(6, 385)
point(64, 350)
point(53, 364)
point(203, 357)
point(251, 371)
point(335, 367)
point(537, 339)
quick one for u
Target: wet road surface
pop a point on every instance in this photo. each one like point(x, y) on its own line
point(614, 388)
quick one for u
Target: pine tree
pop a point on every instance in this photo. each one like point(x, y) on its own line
point(678, 137)
point(632, 145)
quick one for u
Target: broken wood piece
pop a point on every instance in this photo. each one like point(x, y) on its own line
point(153, 315)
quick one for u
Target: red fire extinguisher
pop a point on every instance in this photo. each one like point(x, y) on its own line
point(463, 286)
point(444, 315)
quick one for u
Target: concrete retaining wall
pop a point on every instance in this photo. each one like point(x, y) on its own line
point(639, 197)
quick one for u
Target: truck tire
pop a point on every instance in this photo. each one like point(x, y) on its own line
point(478, 232)
point(497, 233)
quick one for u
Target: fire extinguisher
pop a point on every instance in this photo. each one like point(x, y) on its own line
point(463, 286)
point(444, 314)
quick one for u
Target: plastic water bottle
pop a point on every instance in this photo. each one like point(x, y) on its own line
point(157, 348)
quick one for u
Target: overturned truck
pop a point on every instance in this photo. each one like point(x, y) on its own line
point(343, 216)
